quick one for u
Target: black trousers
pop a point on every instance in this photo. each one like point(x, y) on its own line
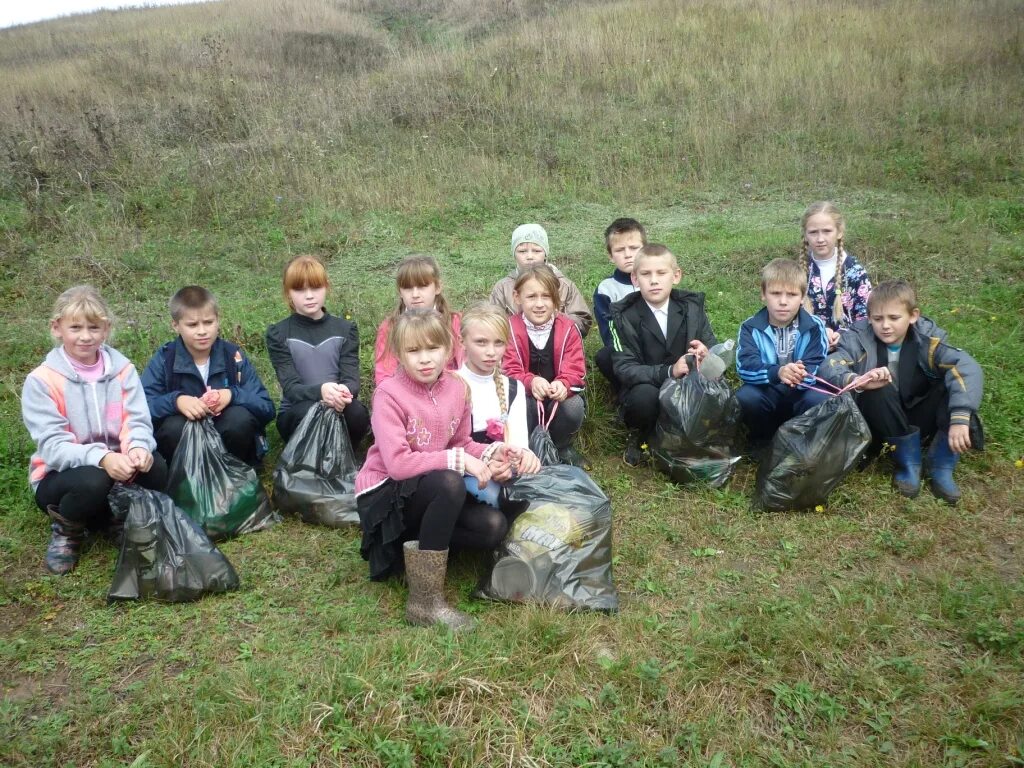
point(887, 416)
point(357, 420)
point(80, 493)
point(640, 407)
point(440, 515)
point(766, 408)
point(603, 361)
point(236, 426)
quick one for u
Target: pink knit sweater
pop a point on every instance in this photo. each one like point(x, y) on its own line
point(418, 429)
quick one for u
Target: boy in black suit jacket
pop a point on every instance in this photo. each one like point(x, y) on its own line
point(653, 331)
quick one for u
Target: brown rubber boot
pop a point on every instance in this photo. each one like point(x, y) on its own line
point(425, 571)
point(66, 540)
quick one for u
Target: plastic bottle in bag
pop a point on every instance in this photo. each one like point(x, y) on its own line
point(719, 358)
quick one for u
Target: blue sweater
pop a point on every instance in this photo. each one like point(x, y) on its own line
point(757, 360)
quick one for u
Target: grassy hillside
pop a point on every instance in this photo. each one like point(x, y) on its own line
point(147, 149)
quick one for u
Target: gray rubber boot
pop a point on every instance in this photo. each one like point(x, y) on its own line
point(66, 540)
point(425, 570)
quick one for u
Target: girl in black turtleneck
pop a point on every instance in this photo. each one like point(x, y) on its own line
point(314, 353)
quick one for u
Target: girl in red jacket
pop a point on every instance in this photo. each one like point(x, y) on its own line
point(545, 354)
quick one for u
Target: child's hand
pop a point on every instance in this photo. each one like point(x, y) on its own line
point(192, 408)
point(959, 438)
point(529, 464)
point(540, 388)
point(558, 391)
point(210, 398)
point(334, 395)
point(680, 368)
point(877, 378)
point(118, 467)
point(478, 469)
point(698, 350)
point(141, 459)
point(223, 400)
point(792, 373)
point(832, 337)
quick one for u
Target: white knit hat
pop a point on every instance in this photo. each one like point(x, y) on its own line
point(529, 233)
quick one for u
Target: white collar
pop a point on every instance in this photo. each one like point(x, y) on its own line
point(663, 309)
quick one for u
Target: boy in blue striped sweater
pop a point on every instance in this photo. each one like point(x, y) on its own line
point(778, 353)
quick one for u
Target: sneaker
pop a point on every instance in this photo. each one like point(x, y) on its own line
point(634, 455)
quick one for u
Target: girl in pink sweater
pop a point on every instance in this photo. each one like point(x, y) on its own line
point(410, 492)
point(419, 287)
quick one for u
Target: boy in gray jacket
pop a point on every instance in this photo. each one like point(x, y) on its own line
point(918, 388)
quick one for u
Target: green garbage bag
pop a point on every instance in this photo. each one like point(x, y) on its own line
point(217, 490)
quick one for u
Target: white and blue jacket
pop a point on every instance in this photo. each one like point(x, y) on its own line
point(757, 360)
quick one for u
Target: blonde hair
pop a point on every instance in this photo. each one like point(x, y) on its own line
point(893, 290)
point(784, 272)
point(494, 320)
point(416, 271)
point(82, 301)
point(544, 275)
point(419, 328)
point(302, 272)
point(655, 251)
point(829, 209)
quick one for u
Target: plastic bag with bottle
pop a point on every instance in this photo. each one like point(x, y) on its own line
point(698, 421)
point(559, 550)
point(315, 476)
point(164, 555)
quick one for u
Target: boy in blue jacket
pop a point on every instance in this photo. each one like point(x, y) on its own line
point(778, 353)
point(199, 375)
point(623, 240)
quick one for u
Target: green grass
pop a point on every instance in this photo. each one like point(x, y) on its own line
point(210, 143)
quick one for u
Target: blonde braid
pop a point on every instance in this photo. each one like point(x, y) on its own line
point(837, 306)
point(502, 398)
point(803, 257)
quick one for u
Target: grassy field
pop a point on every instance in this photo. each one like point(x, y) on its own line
point(147, 149)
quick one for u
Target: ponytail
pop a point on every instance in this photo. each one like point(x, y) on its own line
point(499, 386)
point(838, 314)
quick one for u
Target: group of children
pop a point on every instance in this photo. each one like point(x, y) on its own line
point(457, 396)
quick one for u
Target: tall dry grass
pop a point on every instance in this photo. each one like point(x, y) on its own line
point(345, 102)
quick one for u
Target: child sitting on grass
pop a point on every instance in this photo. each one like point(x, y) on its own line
point(199, 374)
point(529, 248)
point(85, 409)
point(919, 388)
point(779, 352)
point(419, 287)
point(652, 332)
point(546, 357)
point(410, 493)
point(623, 240)
point(315, 354)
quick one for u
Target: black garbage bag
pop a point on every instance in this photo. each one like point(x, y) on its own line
point(811, 454)
point(216, 489)
point(315, 477)
point(559, 550)
point(164, 554)
point(696, 430)
point(540, 438)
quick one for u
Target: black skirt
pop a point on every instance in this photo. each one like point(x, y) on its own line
point(381, 514)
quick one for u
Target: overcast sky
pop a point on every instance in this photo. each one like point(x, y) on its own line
point(24, 11)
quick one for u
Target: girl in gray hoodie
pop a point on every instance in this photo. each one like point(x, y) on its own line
point(85, 409)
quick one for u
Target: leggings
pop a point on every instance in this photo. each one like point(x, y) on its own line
point(439, 514)
point(80, 493)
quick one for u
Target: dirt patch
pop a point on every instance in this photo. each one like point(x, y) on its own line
point(53, 687)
